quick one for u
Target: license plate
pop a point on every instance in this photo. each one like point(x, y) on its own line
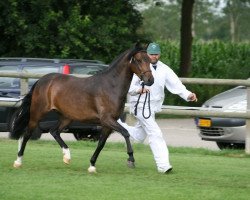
point(204, 123)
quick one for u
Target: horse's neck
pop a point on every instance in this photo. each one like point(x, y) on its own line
point(121, 79)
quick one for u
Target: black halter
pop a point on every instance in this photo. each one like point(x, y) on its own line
point(139, 66)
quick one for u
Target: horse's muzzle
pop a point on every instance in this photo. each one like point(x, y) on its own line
point(149, 82)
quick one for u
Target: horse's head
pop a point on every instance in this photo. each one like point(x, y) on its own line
point(140, 65)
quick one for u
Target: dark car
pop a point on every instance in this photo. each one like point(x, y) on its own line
point(226, 132)
point(10, 90)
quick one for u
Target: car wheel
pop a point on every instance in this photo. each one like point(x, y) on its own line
point(88, 136)
point(226, 145)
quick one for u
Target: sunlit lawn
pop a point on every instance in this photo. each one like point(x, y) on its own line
point(198, 173)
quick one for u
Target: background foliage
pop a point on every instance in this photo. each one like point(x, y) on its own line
point(99, 30)
point(68, 28)
point(225, 20)
point(214, 59)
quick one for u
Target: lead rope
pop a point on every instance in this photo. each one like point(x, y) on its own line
point(144, 104)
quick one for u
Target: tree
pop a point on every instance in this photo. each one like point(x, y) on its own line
point(235, 12)
point(161, 22)
point(186, 37)
point(68, 28)
point(159, 25)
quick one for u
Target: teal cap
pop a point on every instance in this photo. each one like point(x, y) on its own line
point(153, 48)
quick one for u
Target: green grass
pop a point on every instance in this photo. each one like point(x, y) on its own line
point(198, 173)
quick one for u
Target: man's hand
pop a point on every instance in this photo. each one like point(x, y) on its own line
point(192, 97)
point(145, 90)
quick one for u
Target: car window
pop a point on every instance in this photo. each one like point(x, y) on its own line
point(87, 69)
point(39, 70)
point(7, 82)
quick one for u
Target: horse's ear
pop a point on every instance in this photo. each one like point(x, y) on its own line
point(141, 45)
point(137, 45)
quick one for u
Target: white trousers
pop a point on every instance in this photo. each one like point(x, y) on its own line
point(149, 127)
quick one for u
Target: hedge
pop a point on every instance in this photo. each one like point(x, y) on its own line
point(215, 59)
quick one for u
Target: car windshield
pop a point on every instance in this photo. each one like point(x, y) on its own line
point(10, 85)
point(87, 69)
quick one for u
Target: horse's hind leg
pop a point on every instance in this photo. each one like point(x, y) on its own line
point(104, 136)
point(33, 123)
point(55, 132)
point(21, 147)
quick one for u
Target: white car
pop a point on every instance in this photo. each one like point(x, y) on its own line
point(226, 132)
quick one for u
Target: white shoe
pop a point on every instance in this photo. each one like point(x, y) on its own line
point(169, 170)
point(165, 170)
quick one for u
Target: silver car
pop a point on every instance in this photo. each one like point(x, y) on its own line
point(226, 132)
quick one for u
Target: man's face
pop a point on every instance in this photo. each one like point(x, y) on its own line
point(154, 58)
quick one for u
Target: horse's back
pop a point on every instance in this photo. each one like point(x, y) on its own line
point(71, 96)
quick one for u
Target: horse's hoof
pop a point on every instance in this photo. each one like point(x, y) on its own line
point(131, 164)
point(92, 169)
point(66, 160)
point(17, 164)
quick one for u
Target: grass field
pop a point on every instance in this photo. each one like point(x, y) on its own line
point(198, 174)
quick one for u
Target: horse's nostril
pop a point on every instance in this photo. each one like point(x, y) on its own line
point(149, 82)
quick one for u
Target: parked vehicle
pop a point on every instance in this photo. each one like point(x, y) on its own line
point(226, 132)
point(10, 90)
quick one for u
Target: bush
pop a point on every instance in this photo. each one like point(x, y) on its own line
point(215, 59)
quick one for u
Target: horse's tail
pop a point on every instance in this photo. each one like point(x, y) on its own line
point(21, 117)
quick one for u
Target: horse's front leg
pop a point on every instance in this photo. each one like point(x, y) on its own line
point(131, 160)
point(101, 143)
point(117, 127)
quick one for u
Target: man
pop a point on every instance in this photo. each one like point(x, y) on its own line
point(163, 77)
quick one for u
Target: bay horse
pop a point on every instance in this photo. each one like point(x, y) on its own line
point(97, 99)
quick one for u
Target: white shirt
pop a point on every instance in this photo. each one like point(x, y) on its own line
point(164, 76)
